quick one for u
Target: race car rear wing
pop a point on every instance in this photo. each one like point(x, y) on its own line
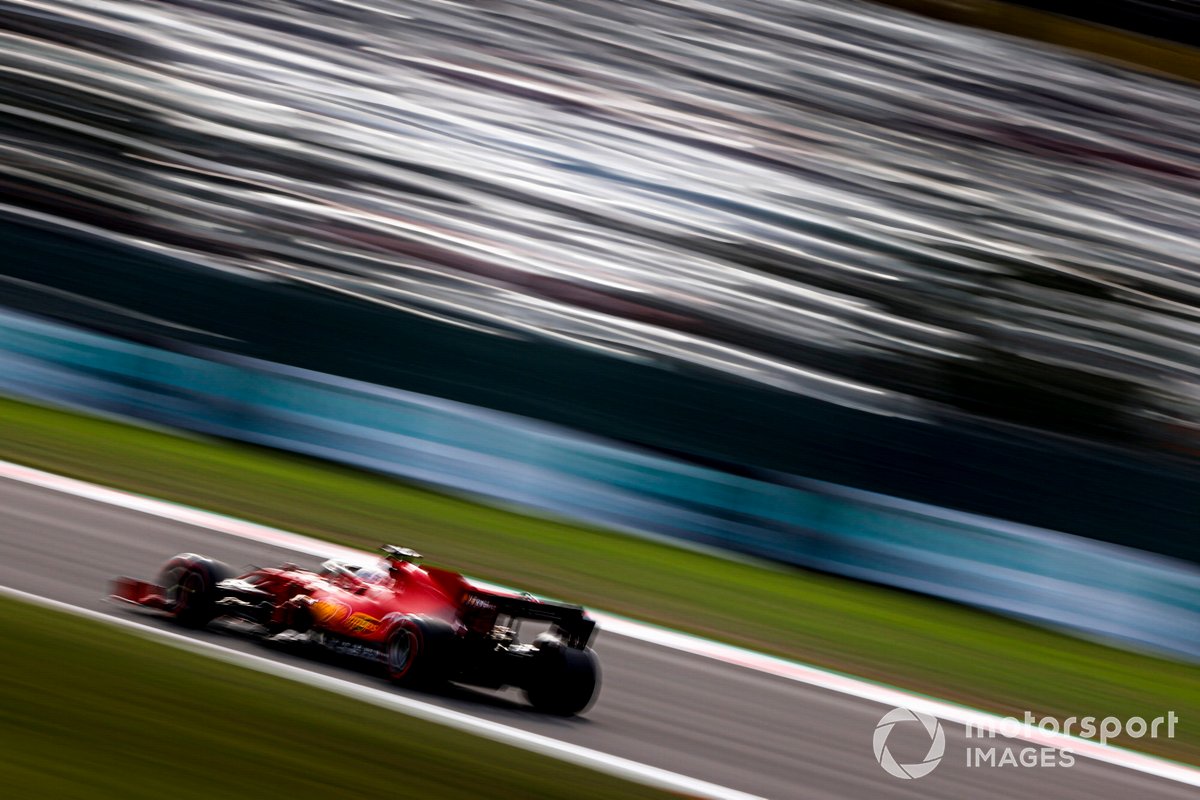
point(569, 622)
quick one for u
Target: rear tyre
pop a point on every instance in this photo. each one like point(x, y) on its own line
point(564, 681)
point(190, 587)
point(419, 652)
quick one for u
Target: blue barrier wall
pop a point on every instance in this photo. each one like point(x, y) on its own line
point(1044, 576)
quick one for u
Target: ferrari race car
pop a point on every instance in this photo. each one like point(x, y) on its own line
point(422, 625)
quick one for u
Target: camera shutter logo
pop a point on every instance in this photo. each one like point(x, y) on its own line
point(937, 744)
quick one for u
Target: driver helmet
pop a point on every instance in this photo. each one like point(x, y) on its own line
point(374, 575)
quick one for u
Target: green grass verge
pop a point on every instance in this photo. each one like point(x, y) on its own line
point(903, 639)
point(90, 711)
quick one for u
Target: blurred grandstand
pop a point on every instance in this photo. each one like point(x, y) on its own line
point(816, 238)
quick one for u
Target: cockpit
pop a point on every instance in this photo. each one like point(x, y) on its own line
point(383, 572)
point(378, 574)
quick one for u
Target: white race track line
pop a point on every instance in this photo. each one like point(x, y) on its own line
point(544, 745)
point(612, 624)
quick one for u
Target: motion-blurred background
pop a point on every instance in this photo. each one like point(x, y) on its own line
point(822, 282)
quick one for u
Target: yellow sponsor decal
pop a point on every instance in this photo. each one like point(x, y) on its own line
point(362, 623)
point(329, 612)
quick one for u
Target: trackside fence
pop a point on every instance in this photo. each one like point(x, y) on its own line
point(1052, 578)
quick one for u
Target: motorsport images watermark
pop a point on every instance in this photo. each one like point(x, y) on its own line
point(1010, 753)
point(917, 769)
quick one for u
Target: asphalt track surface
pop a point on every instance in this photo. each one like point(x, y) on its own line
point(696, 716)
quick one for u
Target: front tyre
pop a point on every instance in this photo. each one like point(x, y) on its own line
point(190, 587)
point(564, 681)
point(419, 652)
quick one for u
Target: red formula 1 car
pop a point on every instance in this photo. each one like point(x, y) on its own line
point(423, 625)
